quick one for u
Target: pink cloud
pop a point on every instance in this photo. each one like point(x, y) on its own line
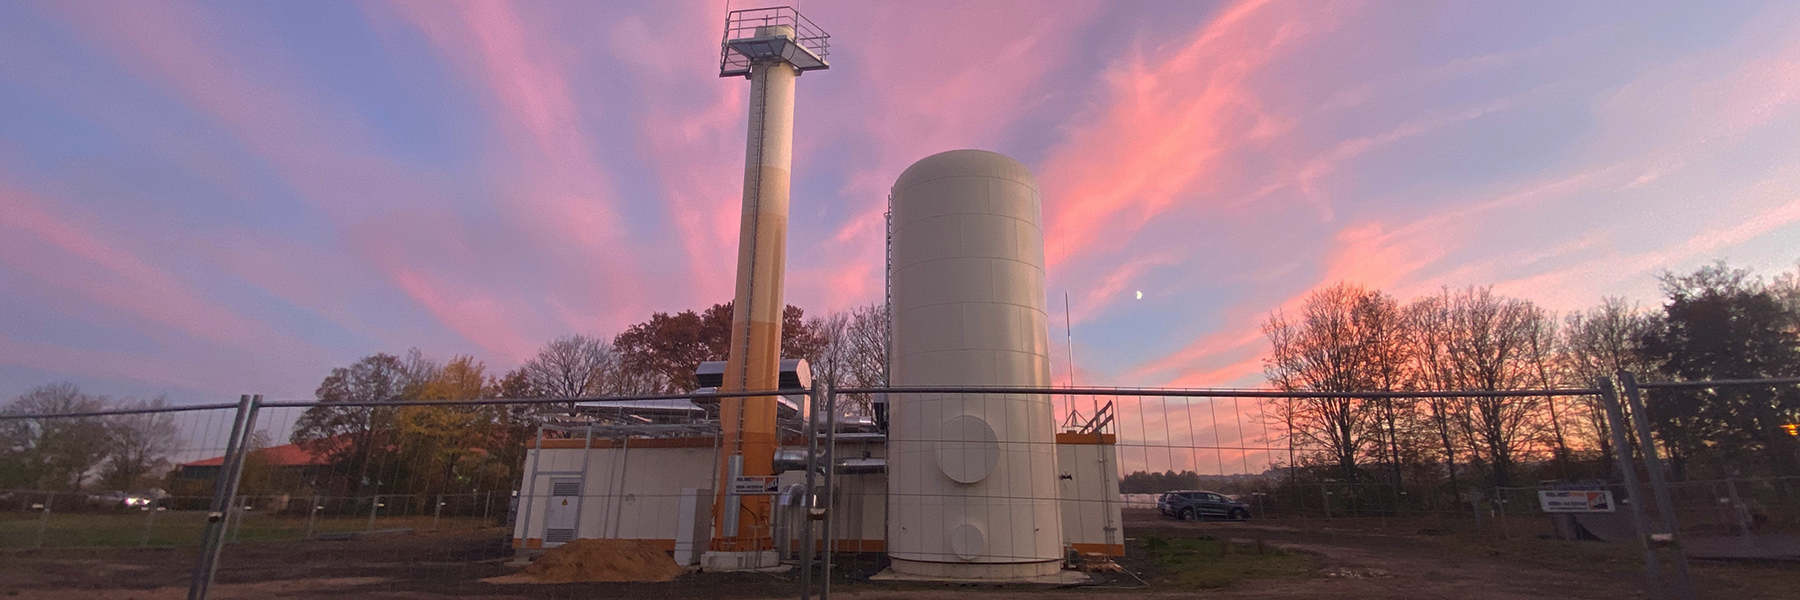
point(317, 147)
point(1171, 118)
point(910, 100)
point(70, 254)
point(550, 179)
point(488, 321)
point(88, 362)
point(552, 187)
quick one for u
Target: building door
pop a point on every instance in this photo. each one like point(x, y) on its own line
point(564, 512)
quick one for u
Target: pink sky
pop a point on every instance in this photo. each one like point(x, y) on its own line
point(207, 199)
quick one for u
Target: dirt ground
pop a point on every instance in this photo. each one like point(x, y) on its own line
point(1351, 560)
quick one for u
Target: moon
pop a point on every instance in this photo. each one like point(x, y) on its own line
point(1140, 294)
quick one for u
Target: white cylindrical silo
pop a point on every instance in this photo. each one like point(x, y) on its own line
point(972, 478)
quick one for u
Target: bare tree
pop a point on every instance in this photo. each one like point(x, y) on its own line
point(1597, 343)
point(1430, 320)
point(1541, 349)
point(868, 345)
point(1490, 349)
point(1387, 347)
point(831, 360)
point(54, 452)
point(573, 366)
point(138, 445)
point(1344, 341)
point(852, 351)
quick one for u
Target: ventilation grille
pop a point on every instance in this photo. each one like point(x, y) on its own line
point(559, 536)
point(565, 488)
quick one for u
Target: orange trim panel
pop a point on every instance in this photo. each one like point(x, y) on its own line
point(1087, 438)
point(684, 442)
point(1106, 549)
point(579, 443)
point(664, 545)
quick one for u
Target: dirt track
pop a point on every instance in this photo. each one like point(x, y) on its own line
point(1352, 560)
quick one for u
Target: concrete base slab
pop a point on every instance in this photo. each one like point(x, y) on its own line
point(717, 562)
point(1057, 578)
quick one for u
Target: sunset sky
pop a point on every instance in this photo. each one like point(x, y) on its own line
point(208, 199)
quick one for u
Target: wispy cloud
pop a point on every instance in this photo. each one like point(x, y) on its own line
point(479, 177)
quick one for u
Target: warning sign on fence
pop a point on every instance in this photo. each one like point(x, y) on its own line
point(754, 485)
point(1581, 501)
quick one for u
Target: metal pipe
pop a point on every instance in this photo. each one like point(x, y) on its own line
point(494, 401)
point(619, 503)
point(1185, 392)
point(116, 412)
point(1214, 393)
point(1648, 385)
point(523, 527)
point(830, 491)
point(807, 498)
point(587, 450)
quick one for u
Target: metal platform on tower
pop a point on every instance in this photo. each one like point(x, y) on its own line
point(772, 33)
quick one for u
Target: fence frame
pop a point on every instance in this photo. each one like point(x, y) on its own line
point(820, 500)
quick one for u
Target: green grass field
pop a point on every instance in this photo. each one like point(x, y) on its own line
point(1206, 562)
point(183, 528)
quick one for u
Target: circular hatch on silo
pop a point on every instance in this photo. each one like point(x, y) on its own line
point(969, 449)
point(967, 541)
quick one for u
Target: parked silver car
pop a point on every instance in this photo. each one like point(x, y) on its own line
point(1187, 505)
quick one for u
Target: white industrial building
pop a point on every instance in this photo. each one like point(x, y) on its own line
point(949, 486)
point(636, 487)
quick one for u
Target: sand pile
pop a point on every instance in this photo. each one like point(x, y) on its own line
point(598, 560)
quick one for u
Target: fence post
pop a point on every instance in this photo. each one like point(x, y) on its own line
point(487, 500)
point(44, 519)
point(149, 522)
point(1325, 500)
point(1665, 508)
point(437, 512)
point(374, 505)
point(1500, 509)
point(1737, 507)
point(312, 516)
point(237, 508)
point(212, 541)
point(1475, 505)
point(1615, 419)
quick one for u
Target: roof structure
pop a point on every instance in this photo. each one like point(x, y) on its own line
point(288, 455)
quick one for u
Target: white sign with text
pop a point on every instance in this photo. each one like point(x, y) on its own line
point(1575, 501)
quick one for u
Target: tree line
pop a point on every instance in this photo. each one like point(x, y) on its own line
point(1715, 323)
point(399, 444)
point(120, 452)
point(453, 448)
